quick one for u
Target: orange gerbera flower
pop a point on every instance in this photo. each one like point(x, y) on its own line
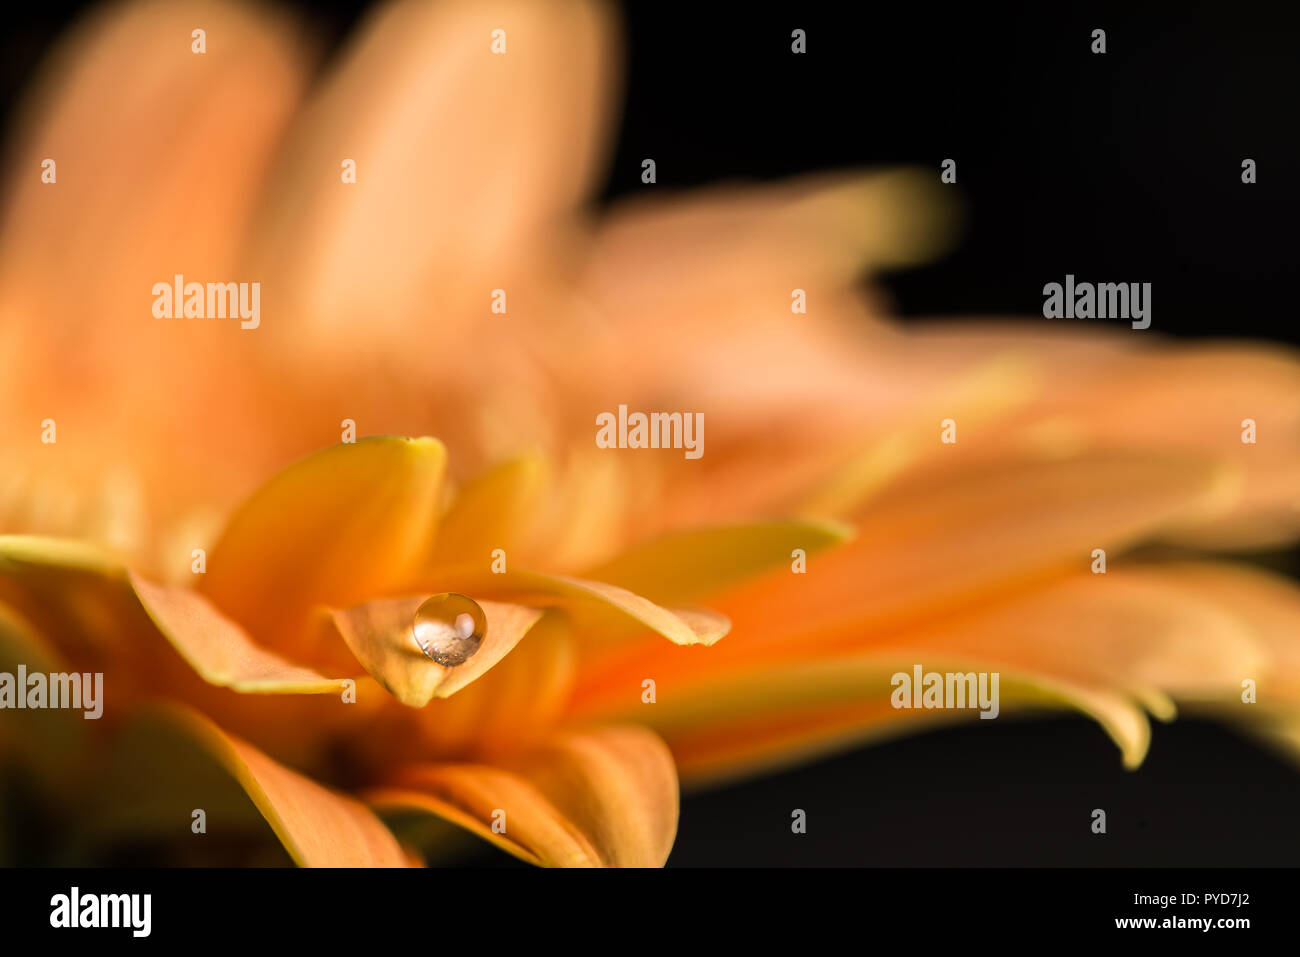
point(284, 647)
point(298, 642)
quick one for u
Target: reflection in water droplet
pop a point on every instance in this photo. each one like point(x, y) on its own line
point(449, 628)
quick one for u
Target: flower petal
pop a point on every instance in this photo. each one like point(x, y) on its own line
point(134, 208)
point(926, 550)
point(596, 603)
point(1268, 607)
point(342, 526)
point(319, 827)
point(515, 704)
point(1111, 645)
point(606, 797)
point(489, 512)
point(379, 634)
point(96, 110)
point(761, 743)
point(47, 739)
point(686, 565)
point(922, 555)
point(726, 255)
point(527, 128)
point(103, 617)
point(74, 594)
point(218, 649)
point(1098, 394)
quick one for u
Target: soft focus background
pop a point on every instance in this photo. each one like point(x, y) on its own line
point(1120, 167)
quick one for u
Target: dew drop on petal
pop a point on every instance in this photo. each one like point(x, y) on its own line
point(449, 628)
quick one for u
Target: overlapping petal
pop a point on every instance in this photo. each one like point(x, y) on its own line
point(1114, 646)
point(133, 206)
point(969, 557)
point(593, 602)
point(605, 797)
point(690, 564)
point(318, 826)
point(379, 634)
point(218, 649)
point(347, 524)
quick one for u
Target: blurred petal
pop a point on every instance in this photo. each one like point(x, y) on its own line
point(925, 550)
point(699, 290)
point(319, 827)
point(1141, 628)
point(491, 511)
point(461, 154)
point(1268, 606)
point(1282, 735)
point(379, 634)
point(75, 595)
point(686, 565)
point(1110, 645)
point(47, 739)
point(903, 415)
point(1097, 394)
point(606, 797)
point(758, 719)
point(130, 115)
point(117, 80)
point(761, 743)
point(345, 525)
point(729, 249)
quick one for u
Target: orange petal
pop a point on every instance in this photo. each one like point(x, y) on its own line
point(130, 208)
point(1267, 606)
point(740, 250)
point(461, 153)
point(343, 526)
point(318, 826)
point(606, 797)
point(379, 634)
point(687, 565)
point(591, 601)
point(491, 511)
point(218, 649)
point(1096, 393)
point(134, 209)
point(515, 704)
point(927, 550)
point(1111, 645)
point(923, 553)
point(762, 742)
point(74, 594)
point(1198, 397)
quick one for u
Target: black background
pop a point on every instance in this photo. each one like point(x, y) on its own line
point(1125, 166)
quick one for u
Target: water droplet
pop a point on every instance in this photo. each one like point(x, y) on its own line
point(449, 628)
